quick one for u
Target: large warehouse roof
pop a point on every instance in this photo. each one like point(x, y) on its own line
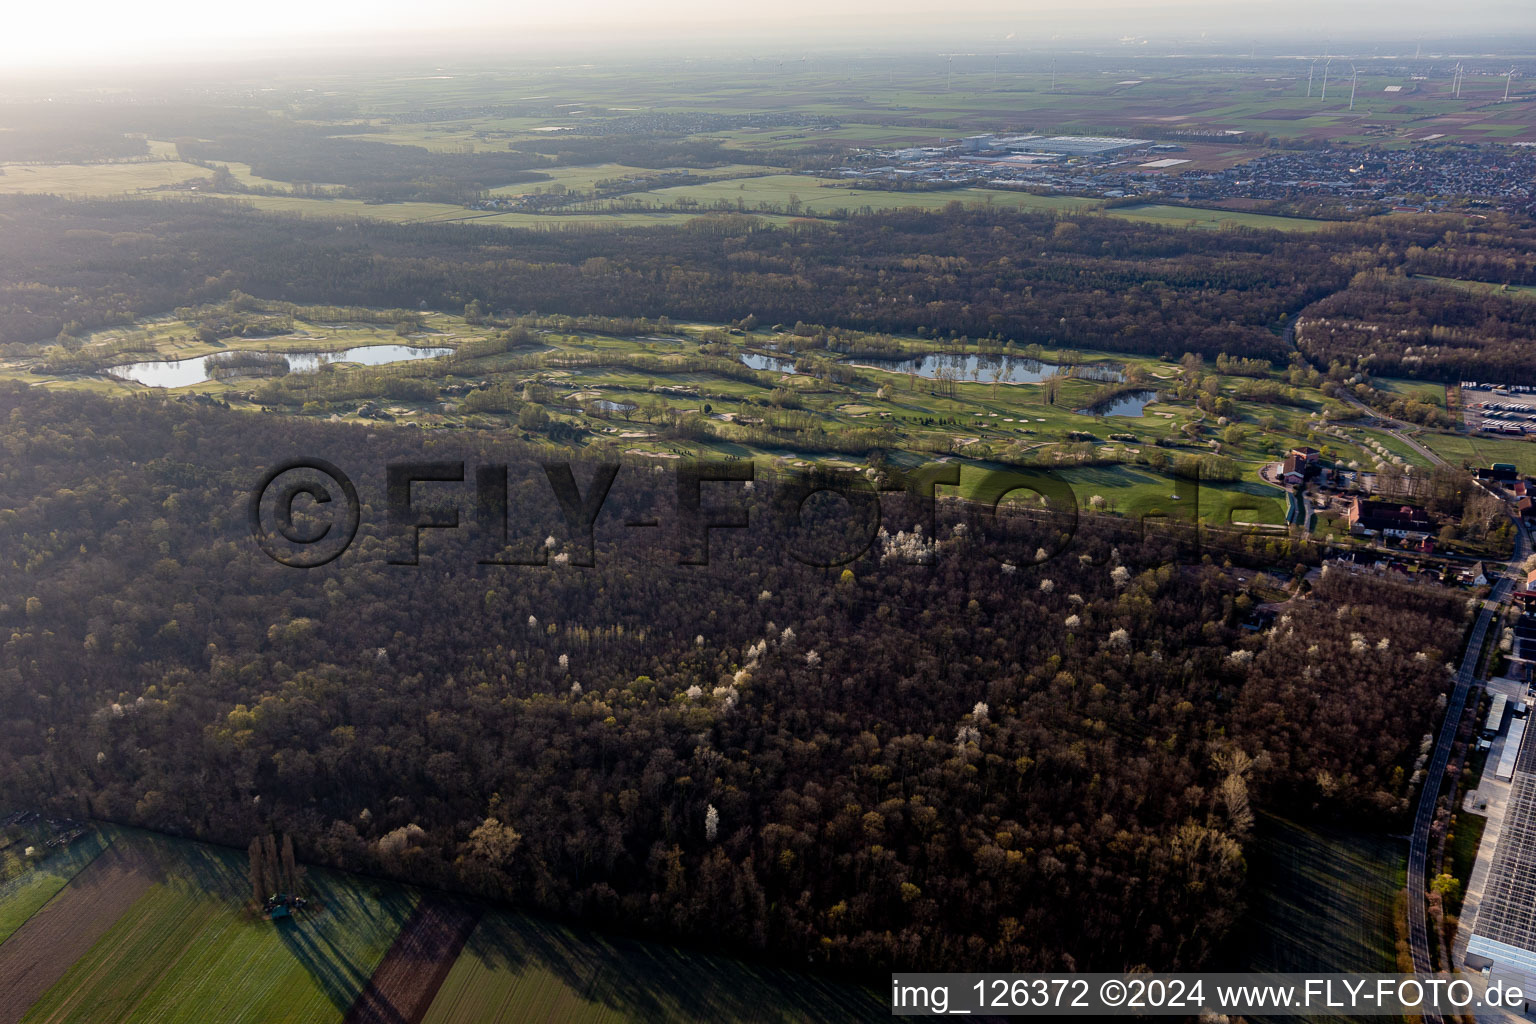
point(1073, 145)
point(1505, 930)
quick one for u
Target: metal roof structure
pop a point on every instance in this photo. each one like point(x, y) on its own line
point(1073, 145)
point(1495, 720)
point(1505, 930)
point(1507, 766)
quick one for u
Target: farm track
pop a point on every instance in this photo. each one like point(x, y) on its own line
point(406, 981)
point(38, 953)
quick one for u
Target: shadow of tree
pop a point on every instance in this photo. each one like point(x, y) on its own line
point(647, 981)
point(334, 971)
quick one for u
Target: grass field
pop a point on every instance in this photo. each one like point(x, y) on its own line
point(1481, 451)
point(1320, 899)
point(443, 213)
point(1417, 390)
point(821, 196)
point(1395, 446)
point(517, 968)
point(1184, 216)
point(585, 178)
point(1513, 291)
point(105, 179)
point(1461, 851)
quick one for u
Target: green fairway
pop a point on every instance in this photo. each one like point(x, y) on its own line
point(1138, 492)
point(518, 968)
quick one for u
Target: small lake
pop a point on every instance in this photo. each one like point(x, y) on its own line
point(1132, 403)
point(762, 362)
point(986, 368)
point(615, 408)
point(180, 373)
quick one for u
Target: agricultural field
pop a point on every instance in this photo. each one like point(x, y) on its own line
point(516, 968)
point(190, 947)
point(163, 929)
point(779, 192)
point(101, 179)
point(808, 196)
point(29, 882)
point(584, 178)
point(1186, 216)
point(887, 101)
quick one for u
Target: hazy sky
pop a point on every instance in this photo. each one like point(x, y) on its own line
point(153, 31)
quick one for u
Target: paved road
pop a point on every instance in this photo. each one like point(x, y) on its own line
point(1418, 847)
point(1394, 427)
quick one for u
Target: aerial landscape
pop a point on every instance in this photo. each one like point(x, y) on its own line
point(808, 515)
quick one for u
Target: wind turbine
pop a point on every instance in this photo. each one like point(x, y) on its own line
point(1053, 74)
point(1354, 80)
point(1508, 79)
point(1309, 77)
point(1326, 66)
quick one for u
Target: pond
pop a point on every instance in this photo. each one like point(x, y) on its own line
point(985, 368)
point(179, 373)
point(1132, 403)
point(762, 362)
point(615, 408)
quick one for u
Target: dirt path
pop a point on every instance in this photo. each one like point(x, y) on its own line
point(38, 953)
point(408, 977)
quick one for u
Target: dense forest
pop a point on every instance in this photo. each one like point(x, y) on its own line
point(1397, 326)
point(1091, 282)
point(941, 755)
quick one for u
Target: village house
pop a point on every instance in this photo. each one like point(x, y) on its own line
point(1300, 464)
point(1389, 518)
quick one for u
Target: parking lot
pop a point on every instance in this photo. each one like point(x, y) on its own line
point(1499, 408)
